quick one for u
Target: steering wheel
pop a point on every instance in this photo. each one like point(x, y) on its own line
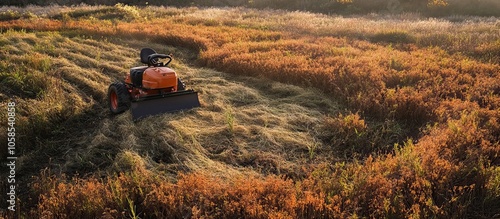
point(153, 59)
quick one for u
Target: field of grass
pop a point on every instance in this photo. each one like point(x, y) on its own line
point(345, 7)
point(303, 115)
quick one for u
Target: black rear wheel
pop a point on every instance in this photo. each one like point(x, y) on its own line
point(118, 98)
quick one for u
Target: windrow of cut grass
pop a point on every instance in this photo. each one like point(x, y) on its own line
point(396, 79)
point(372, 72)
point(246, 127)
point(32, 70)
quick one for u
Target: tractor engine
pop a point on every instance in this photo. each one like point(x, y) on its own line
point(159, 78)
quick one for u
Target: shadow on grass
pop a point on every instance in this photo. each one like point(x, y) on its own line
point(37, 150)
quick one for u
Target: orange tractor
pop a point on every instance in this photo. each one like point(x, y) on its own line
point(152, 89)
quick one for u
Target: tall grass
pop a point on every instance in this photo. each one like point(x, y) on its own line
point(428, 7)
point(418, 136)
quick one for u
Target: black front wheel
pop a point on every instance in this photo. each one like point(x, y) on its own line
point(118, 98)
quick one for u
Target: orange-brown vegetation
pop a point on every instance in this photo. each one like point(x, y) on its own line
point(195, 195)
point(428, 7)
point(422, 118)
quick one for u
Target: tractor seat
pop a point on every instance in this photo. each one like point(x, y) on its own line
point(136, 75)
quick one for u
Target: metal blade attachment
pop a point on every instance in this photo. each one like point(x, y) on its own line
point(182, 100)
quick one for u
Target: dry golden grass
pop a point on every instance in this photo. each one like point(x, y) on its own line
point(246, 126)
point(343, 145)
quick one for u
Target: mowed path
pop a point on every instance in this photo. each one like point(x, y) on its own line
point(244, 126)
